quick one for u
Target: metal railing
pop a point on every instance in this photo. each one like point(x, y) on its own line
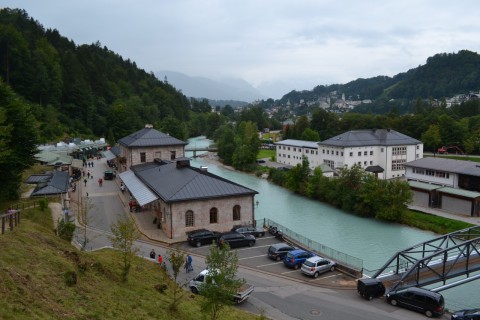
point(340, 257)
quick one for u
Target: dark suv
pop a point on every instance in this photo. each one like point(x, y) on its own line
point(256, 232)
point(202, 236)
point(235, 239)
point(418, 299)
point(278, 251)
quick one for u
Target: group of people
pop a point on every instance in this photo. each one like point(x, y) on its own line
point(88, 164)
point(188, 261)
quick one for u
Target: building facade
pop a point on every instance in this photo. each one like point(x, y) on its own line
point(146, 145)
point(447, 184)
point(290, 152)
point(383, 152)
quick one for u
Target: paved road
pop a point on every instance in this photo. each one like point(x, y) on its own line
point(280, 293)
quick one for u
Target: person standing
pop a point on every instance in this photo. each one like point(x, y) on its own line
point(152, 254)
point(85, 180)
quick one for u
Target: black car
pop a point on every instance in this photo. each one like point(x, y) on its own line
point(278, 251)
point(256, 232)
point(418, 299)
point(467, 314)
point(370, 288)
point(235, 239)
point(202, 236)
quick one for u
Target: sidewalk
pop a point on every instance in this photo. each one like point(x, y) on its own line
point(441, 213)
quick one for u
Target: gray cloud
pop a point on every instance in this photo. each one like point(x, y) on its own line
point(304, 42)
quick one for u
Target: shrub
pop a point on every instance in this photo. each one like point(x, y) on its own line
point(65, 230)
point(43, 204)
point(70, 278)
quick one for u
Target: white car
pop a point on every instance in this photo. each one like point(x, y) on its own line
point(315, 265)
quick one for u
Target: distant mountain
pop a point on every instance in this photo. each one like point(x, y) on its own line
point(200, 87)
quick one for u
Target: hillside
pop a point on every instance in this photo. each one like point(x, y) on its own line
point(33, 267)
point(443, 75)
point(80, 89)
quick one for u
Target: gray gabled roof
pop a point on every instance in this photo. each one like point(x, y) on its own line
point(298, 143)
point(58, 183)
point(374, 137)
point(173, 184)
point(149, 137)
point(447, 165)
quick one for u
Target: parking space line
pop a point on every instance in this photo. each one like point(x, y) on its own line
point(263, 255)
point(269, 264)
point(261, 238)
point(290, 271)
point(332, 276)
point(250, 248)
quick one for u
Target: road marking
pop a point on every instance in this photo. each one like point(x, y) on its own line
point(262, 238)
point(263, 255)
point(250, 248)
point(269, 264)
point(332, 276)
point(291, 271)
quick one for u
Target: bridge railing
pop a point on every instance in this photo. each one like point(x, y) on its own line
point(343, 259)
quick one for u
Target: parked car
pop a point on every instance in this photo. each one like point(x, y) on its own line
point(315, 265)
point(418, 299)
point(256, 232)
point(199, 281)
point(235, 239)
point(466, 314)
point(109, 175)
point(370, 288)
point(295, 258)
point(200, 237)
point(278, 251)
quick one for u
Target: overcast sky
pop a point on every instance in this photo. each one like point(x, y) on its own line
point(302, 42)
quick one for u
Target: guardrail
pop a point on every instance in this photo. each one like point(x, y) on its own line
point(13, 217)
point(348, 263)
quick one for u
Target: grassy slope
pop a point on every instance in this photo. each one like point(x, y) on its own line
point(33, 262)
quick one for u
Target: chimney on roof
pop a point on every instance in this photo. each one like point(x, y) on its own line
point(183, 163)
point(204, 169)
point(149, 126)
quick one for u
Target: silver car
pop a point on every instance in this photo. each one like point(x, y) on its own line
point(315, 265)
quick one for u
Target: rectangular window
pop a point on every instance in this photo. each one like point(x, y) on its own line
point(329, 163)
point(398, 164)
point(371, 162)
point(359, 153)
point(365, 153)
point(364, 163)
point(342, 153)
point(381, 149)
point(371, 153)
point(336, 153)
point(143, 157)
point(294, 149)
point(323, 151)
point(351, 154)
point(399, 150)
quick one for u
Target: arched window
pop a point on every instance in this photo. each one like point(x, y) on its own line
point(236, 213)
point(213, 215)
point(189, 219)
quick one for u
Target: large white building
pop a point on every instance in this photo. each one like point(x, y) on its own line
point(380, 151)
point(291, 152)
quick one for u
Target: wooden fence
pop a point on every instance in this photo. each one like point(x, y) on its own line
point(12, 217)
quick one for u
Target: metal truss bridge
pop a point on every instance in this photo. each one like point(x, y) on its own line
point(451, 256)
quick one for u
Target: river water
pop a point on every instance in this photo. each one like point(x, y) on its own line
point(372, 241)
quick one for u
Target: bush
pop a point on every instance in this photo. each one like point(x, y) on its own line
point(65, 229)
point(70, 278)
point(43, 204)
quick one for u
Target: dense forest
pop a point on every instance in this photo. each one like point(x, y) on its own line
point(80, 90)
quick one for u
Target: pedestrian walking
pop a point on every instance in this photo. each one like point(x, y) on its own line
point(152, 254)
point(88, 174)
point(85, 180)
point(188, 264)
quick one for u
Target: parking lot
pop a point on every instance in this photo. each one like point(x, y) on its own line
point(256, 258)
